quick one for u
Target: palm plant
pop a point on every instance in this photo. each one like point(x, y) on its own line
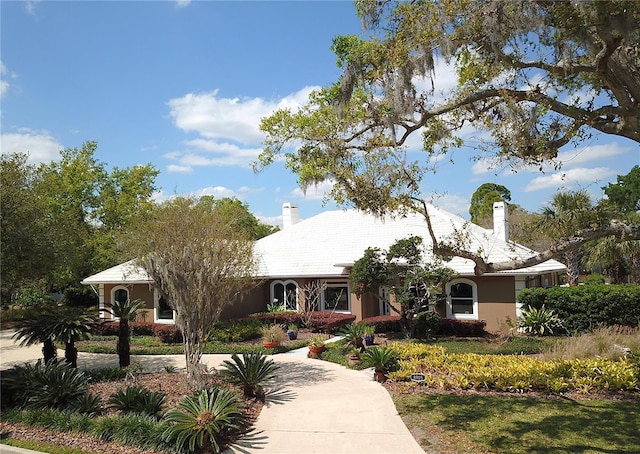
point(126, 311)
point(615, 257)
point(201, 420)
point(569, 212)
point(38, 330)
point(539, 321)
point(382, 359)
point(353, 333)
point(135, 399)
point(69, 326)
point(250, 372)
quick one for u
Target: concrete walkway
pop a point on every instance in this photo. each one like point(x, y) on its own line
point(312, 407)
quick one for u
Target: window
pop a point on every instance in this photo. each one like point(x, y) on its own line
point(119, 294)
point(285, 293)
point(164, 312)
point(462, 299)
point(336, 298)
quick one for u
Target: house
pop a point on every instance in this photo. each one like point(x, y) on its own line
point(322, 249)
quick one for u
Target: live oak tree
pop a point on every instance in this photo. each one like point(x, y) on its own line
point(199, 262)
point(535, 75)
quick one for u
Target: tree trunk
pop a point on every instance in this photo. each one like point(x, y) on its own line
point(193, 355)
point(124, 344)
point(573, 267)
point(71, 354)
point(49, 351)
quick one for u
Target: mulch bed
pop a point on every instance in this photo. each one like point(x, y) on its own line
point(174, 385)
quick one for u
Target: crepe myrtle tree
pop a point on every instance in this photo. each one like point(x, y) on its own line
point(535, 75)
point(416, 287)
point(200, 263)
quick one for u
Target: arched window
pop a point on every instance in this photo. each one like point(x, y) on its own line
point(462, 299)
point(285, 293)
point(119, 294)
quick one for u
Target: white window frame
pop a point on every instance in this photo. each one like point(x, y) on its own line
point(284, 284)
point(384, 296)
point(156, 308)
point(345, 286)
point(113, 297)
point(474, 289)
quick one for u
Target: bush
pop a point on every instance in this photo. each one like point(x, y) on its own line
point(202, 420)
point(133, 430)
point(250, 372)
point(106, 329)
point(236, 331)
point(53, 385)
point(142, 328)
point(168, 334)
point(539, 322)
point(385, 323)
point(462, 328)
point(426, 324)
point(135, 399)
point(587, 307)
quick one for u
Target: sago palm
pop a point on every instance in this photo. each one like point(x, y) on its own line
point(70, 326)
point(250, 372)
point(38, 330)
point(200, 421)
point(126, 311)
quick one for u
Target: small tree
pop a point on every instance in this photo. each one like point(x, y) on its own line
point(126, 311)
point(68, 325)
point(38, 330)
point(416, 286)
point(200, 263)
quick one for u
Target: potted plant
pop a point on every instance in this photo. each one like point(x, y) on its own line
point(369, 334)
point(382, 359)
point(353, 357)
point(353, 334)
point(316, 345)
point(292, 331)
point(272, 335)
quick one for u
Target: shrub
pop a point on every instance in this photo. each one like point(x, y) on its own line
point(353, 333)
point(382, 359)
point(202, 420)
point(107, 329)
point(462, 328)
point(540, 321)
point(426, 324)
point(385, 323)
point(236, 331)
point(142, 328)
point(88, 404)
point(586, 307)
point(133, 430)
point(135, 399)
point(168, 334)
point(250, 372)
point(53, 385)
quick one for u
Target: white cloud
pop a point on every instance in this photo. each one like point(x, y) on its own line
point(590, 153)
point(452, 203)
point(314, 192)
point(173, 168)
point(231, 119)
point(182, 3)
point(570, 179)
point(30, 7)
point(4, 83)
point(40, 145)
point(217, 192)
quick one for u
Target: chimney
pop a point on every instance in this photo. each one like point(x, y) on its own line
point(290, 215)
point(501, 221)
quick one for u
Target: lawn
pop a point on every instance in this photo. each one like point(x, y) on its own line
point(450, 423)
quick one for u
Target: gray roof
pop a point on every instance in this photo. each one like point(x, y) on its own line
point(324, 245)
point(327, 244)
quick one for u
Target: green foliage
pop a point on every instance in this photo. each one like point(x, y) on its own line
point(369, 272)
point(481, 207)
point(139, 430)
point(539, 321)
point(426, 324)
point(87, 404)
point(235, 331)
point(48, 418)
point(592, 279)
point(52, 385)
point(382, 359)
point(353, 333)
point(250, 372)
point(126, 311)
point(586, 307)
point(135, 399)
point(624, 194)
point(201, 420)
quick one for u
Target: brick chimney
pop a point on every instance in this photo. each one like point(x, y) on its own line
point(290, 215)
point(501, 221)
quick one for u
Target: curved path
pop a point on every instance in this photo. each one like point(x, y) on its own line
point(312, 407)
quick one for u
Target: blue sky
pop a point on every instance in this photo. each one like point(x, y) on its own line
point(183, 85)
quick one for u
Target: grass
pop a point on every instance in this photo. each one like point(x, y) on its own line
point(43, 447)
point(150, 345)
point(500, 424)
point(517, 345)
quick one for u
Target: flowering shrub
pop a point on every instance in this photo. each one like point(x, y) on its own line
point(168, 334)
point(384, 323)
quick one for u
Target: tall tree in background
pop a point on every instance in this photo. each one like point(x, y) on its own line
point(481, 208)
point(237, 214)
point(536, 75)
point(199, 262)
point(63, 220)
point(568, 212)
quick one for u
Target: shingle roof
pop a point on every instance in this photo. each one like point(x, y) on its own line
point(127, 272)
point(323, 245)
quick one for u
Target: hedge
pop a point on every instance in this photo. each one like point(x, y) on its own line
point(586, 307)
point(448, 326)
point(318, 320)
